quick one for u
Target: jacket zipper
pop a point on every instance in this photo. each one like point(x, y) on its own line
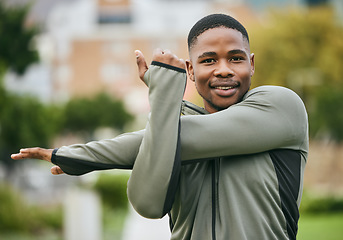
point(215, 162)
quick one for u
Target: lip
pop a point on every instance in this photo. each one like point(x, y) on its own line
point(225, 89)
point(225, 92)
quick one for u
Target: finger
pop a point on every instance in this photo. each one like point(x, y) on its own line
point(33, 153)
point(17, 156)
point(167, 57)
point(56, 170)
point(157, 51)
point(141, 63)
point(23, 153)
point(166, 51)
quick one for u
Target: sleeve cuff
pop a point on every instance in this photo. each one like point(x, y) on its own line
point(168, 66)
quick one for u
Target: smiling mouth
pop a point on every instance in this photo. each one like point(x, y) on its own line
point(224, 88)
point(224, 84)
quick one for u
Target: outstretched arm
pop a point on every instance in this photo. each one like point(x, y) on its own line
point(77, 159)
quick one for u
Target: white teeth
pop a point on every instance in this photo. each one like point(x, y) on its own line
point(224, 88)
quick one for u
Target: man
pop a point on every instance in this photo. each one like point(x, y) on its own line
point(233, 170)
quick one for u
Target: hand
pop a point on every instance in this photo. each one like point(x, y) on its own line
point(37, 153)
point(159, 55)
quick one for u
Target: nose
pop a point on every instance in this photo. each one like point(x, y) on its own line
point(223, 69)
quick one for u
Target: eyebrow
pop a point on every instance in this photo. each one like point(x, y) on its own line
point(232, 52)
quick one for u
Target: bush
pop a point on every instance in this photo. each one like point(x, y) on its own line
point(45, 218)
point(323, 204)
point(112, 189)
point(17, 216)
point(100, 111)
point(13, 212)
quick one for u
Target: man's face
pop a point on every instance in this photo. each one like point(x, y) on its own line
point(221, 67)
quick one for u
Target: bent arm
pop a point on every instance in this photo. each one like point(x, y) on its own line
point(155, 174)
point(268, 118)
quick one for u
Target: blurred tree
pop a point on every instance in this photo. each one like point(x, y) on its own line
point(25, 122)
point(82, 114)
point(21, 119)
point(16, 50)
point(303, 50)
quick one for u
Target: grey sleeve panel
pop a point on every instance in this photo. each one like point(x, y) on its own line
point(155, 174)
point(269, 117)
point(118, 153)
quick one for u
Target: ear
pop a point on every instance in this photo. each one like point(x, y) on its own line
point(190, 70)
point(252, 64)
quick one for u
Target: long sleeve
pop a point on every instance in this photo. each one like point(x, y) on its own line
point(156, 171)
point(117, 153)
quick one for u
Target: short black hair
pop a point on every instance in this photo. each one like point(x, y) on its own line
point(214, 21)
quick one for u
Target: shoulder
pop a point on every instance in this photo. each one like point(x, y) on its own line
point(278, 99)
point(273, 94)
point(269, 90)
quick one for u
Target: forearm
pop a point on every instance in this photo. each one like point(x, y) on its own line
point(117, 153)
point(154, 178)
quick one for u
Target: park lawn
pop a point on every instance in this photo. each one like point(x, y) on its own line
point(321, 227)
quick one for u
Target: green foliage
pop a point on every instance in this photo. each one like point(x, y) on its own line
point(43, 218)
point(25, 122)
point(112, 189)
point(16, 216)
point(16, 39)
point(113, 222)
point(13, 212)
point(89, 114)
point(297, 40)
point(324, 204)
point(328, 115)
point(302, 49)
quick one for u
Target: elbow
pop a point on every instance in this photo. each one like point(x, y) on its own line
point(143, 204)
point(145, 207)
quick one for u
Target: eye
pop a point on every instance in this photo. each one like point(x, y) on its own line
point(208, 60)
point(237, 59)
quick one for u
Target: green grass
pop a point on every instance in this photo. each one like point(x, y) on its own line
point(321, 227)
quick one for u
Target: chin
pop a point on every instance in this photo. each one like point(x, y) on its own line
point(222, 106)
point(226, 105)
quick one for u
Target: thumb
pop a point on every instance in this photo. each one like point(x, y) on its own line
point(56, 170)
point(141, 63)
